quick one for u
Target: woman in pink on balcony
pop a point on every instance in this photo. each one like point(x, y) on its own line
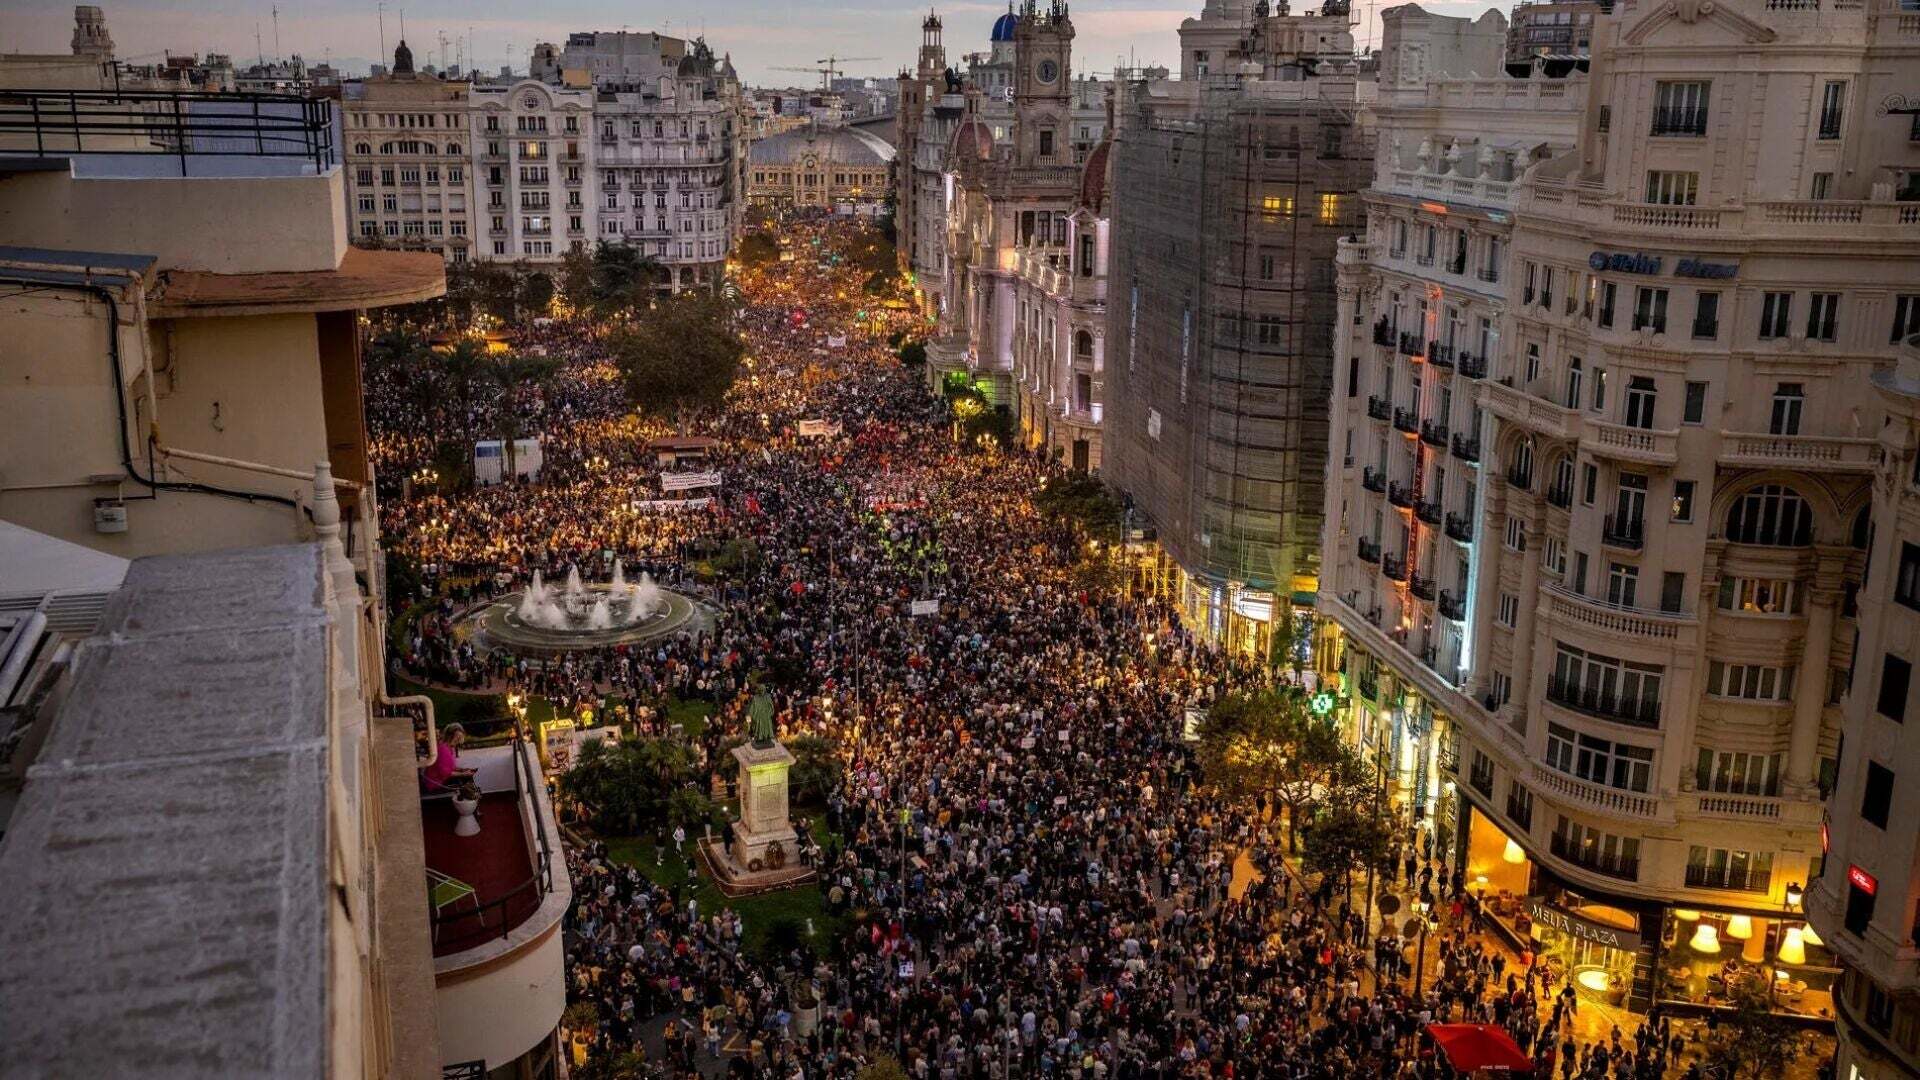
point(445, 773)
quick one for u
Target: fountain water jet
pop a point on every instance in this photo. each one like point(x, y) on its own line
point(601, 617)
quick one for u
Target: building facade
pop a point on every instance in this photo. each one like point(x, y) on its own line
point(409, 161)
point(1230, 196)
point(843, 169)
point(1863, 904)
point(534, 154)
point(1621, 639)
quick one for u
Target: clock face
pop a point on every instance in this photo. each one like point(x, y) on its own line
point(530, 102)
point(1046, 71)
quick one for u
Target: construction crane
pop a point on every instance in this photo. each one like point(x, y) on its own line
point(829, 67)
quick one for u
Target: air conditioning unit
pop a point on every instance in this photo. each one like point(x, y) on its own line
point(109, 516)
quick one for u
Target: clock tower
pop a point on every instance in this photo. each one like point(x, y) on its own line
point(1042, 85)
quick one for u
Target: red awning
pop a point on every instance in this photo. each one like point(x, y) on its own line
point(1472, 1047)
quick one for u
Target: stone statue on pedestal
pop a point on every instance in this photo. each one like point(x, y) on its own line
point(764, 840)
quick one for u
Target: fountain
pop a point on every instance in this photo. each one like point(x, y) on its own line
point(546, 618)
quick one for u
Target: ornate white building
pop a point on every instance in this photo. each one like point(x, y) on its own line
point(409, 161)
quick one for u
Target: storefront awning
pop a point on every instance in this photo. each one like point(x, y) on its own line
point(1471, 1048)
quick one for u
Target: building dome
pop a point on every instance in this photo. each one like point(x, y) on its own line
point(1004, 26)
point(972, 141)
point(827, 146)
point(1093, 178)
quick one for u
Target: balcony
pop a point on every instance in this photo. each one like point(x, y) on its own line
point(508, 864)
point(1744, 807)
point(1590, 856)
point(1440, 356)
point(1628, 534)
point(1379, 408)
point(1473, 367)
point(1481, 775)
point(1406, 422)
point(1422, 587)
point(1394, 567)
point(1537, 414)
point(1731, 878)
point(1488, 274)
point(1452, 607)
point(1399, 496)
point(1813, 453)
point(1460, 527)
point(1609, 800)
point(1368, 551)
point(1373, 479)
point(1428, 512)
point(1604, 704)
point(1643, 445)
point(1519, 811)
point(1383, 333)
point(1433, 434)
point(1411, 344)
point(1684, 120)
point(1588, 615)
point(1560, 496)
point(1467, 450)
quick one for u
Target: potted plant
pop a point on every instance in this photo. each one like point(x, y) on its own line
point(806, 1010)
point(581, 1019)
point(466, 803)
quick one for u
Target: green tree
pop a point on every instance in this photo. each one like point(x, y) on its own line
point(884, 1067)
point(1083, 501)
point(576, 278)
point(1345, 837)
point(465, 372)
point(681, 359)
point(758, 249)
point(817, 768)
point(536, 293)
point(1269, 742)
point(516, 375)
point(1753, 1040)
point(624, 279)
point(628, 786)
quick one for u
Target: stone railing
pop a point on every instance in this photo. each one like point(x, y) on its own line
point(1597, 796)
point(1631, 623)
point(1812, 452)
point(1633, 444)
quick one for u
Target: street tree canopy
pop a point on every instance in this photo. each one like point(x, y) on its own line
point(1269, 742)
point(682, 358)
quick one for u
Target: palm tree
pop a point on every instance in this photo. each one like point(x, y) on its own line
point(515, 374)
point(463, 370)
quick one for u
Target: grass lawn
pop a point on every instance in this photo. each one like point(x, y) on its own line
point(758, 913)
point(690, 715)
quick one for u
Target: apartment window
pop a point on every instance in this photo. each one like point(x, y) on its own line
point(1823, 316)
point(1694, 404)
point(1533, 361)
point(1623, 585)
point(1599, 761)
point(1752, 682)
point(1671, 188)
point(1491, 272)
point(1516, 534)
point(1399, 247)
point(1679, 108)
point(364, 177)
point(1273, 207)
point(1641, 398)
point(1673, 591)
point(1533, 280)
point(1775, 309)
point(390, 203)
point(1706, 316)
point(369, 228)
point(366, 204)
point(1737, 772)
point(1895, 677)
point(1789, 402)
point(1502, 688)
point(1833, 100)
point(1906, 314)
point(1760, 596)
point(1650, 309)
point(1046, 142)
point(1721, 868)
point(1554, 556)
point(1876, 800)
point(1605, 685)
point(1546, 287)
point(1589, 483)
point(1609, 294)
point(1509, 609)
point(1859, 907)
point(1822, 186)
point(1906, 582)
point(1771, 515)
point(1683, 500)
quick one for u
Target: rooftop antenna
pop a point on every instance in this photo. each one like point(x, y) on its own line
point(381, 9)
point(276, 32)
point(260, 51)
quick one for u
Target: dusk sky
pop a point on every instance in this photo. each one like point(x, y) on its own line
point(761, 35)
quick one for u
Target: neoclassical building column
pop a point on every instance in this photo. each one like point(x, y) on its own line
point(1810, 697)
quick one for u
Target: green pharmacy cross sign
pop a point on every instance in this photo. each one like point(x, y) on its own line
point(1323, 703)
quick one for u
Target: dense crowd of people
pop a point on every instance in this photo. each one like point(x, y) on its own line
point(1035, 880)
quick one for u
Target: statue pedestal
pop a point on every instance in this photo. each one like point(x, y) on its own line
point(763, 813)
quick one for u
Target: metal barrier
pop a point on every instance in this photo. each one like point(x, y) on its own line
point(184, 124)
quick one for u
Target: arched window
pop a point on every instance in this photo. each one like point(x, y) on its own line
point(453, 149)
point(1083, 346)
point(1862, 537)
point(1773, 515)
point(363, 149)
point(1520, 469)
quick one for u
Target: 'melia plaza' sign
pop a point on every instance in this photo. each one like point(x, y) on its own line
point(1566, 922)
point(1622, 263)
